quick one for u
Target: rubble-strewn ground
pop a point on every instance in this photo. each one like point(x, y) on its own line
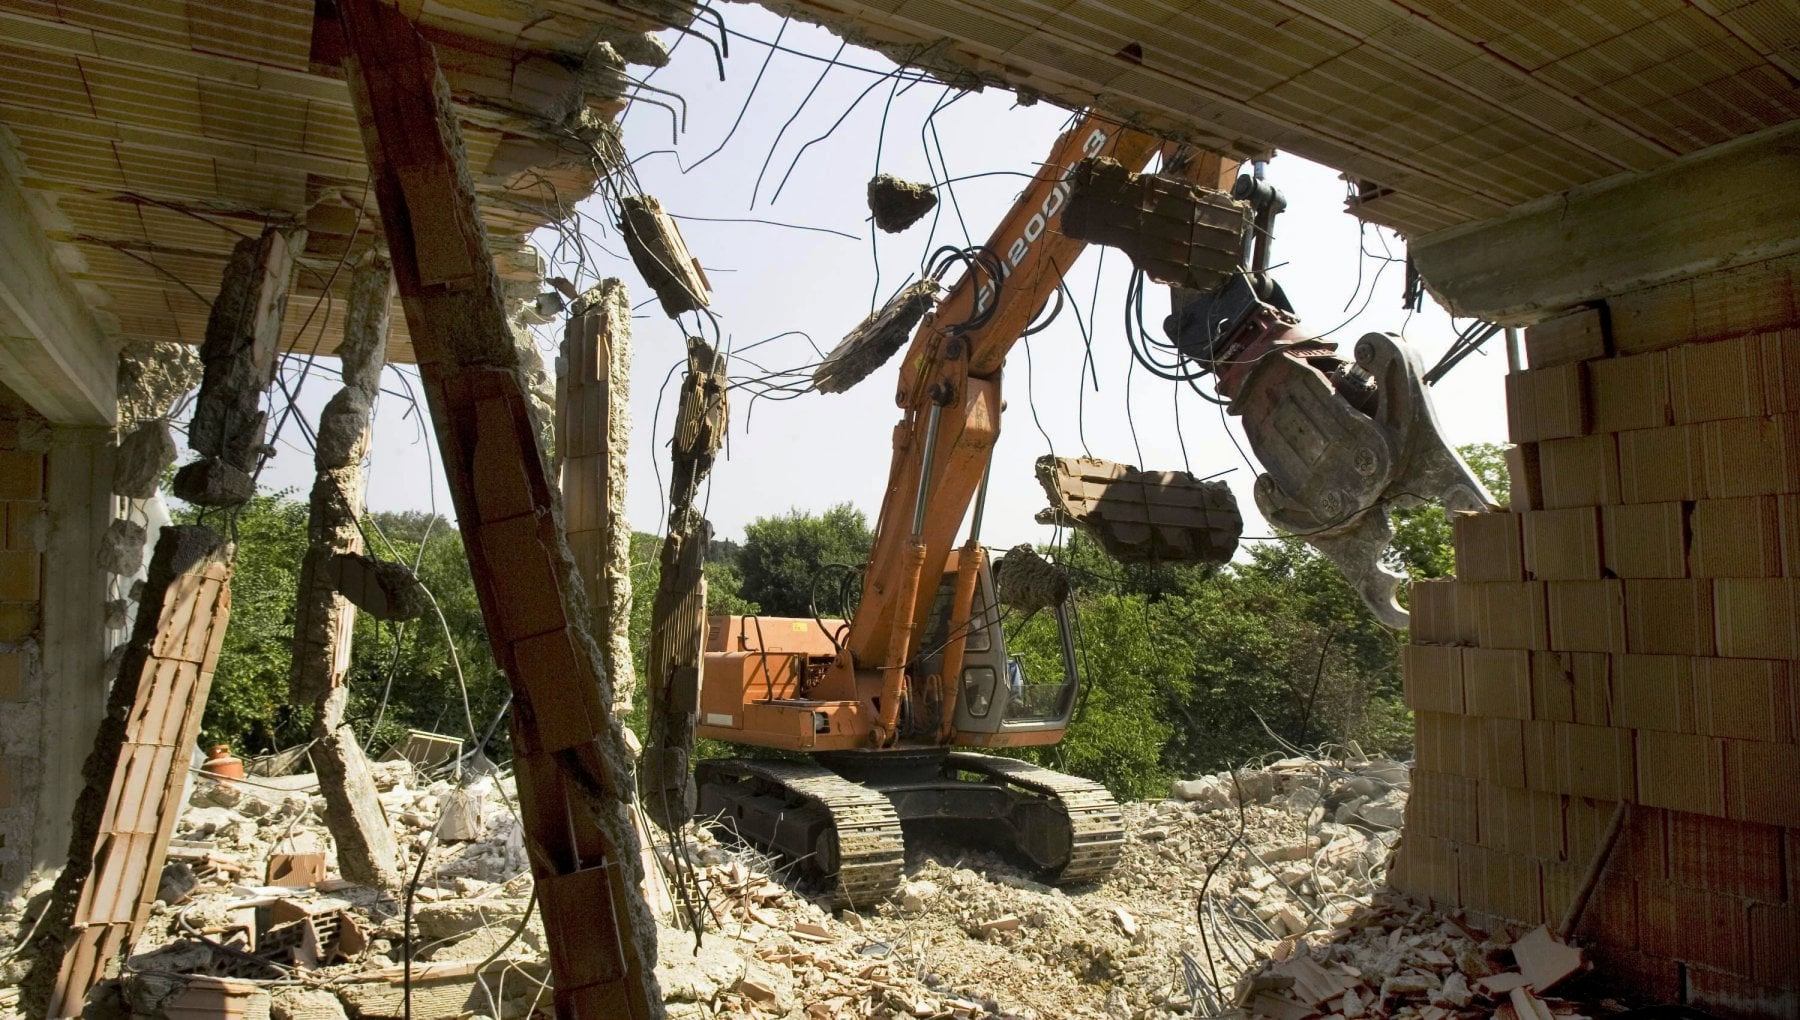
point(1207, 890)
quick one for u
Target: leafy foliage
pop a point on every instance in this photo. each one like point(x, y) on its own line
point(782, 557)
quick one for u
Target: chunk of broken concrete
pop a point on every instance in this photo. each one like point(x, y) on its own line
point(213, 483)
point(875, 339)
point(661, 256)
point(122, 548)
point(384, 589)
point(141, 459)
point(897, 204)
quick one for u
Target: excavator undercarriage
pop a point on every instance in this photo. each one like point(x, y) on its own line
point(846, 818)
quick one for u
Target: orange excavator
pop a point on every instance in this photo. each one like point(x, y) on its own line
point(895, 706)
point(887, 702)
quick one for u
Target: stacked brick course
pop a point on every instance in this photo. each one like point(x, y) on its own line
point(1628, 633)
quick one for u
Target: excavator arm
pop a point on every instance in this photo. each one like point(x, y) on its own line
point(950, 398)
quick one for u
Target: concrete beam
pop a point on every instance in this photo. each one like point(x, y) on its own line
point(1726, 206)
point(53, 352)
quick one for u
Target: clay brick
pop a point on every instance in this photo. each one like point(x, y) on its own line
point(1524, 475)
point(1745, 299)
point(1571, 687)
point(1660, 465)
point(1448, 806)
point(1656, 919)
point(1641, 850)
point(1775, 944)
point(1754, 618)
point(21, 475)
point(18, 620)
point(1504, 759)
point(1759, 781)
point(1427, 867)
point(1583, 472)
point(1709, 382)
point(1542, 753)
point(1578, 336)
point(12, 676)
point(1611, 911)
point(1654, 692)
point(1645, 539)
point(1471, 608)
point(1562, 545)
point(1751, 699)
point(1790, 533)
point(1547, 403)
point(1497, 682)
point(1433, 677)
point(1736, 537)
point(1513, 615)
point(19, 576)
point(1630, 973)
point(1668, 617)
point(1432, 604)
point(1595, 761)
point(1586, 616)
point(1725, 856)
point(1521, 821)
point(1653, 318)
point(1445, 743)
point(1712, 929)
point(1681, 771)
point(1506, 885)
point(1749, 456)
point(1488, 547)
point(1631, 392)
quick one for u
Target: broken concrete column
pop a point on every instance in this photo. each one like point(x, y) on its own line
point(134, 774)
point(593, 436)
point(573, 764)
point(243, 334)
point(678, 616)
point(323, 618)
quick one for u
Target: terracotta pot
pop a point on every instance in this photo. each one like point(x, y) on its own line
point(222, 763)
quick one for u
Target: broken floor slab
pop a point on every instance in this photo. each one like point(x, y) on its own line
point(875, 339)
point(1142, 516)
point(1173, 230)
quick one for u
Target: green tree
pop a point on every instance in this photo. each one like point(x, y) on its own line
point(249, 707)
point(783, 557)
point(1422, 545)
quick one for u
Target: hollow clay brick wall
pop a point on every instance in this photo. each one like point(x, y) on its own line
point(21, 578)
point(1629, 632)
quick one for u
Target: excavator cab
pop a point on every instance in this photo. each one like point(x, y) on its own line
point(1007, 698)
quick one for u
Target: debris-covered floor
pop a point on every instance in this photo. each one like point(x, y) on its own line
point(1274, 907)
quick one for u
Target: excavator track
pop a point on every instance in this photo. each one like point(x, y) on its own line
point(1096, 825)
point(869, 847)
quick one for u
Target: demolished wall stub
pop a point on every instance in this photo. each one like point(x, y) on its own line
point(660, 254)
point(678, 615)
point(593, 436)
point(573, 764)
point(1175, 231)
point(323, 618)
point(134, 775)
point(243, 333)
point(1142, 516)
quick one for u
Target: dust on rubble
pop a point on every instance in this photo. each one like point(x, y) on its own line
point(1251, 893)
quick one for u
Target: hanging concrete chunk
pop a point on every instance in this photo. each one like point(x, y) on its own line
point(1176, 232)
point(382, 588)
point(141, 459)
point(662, 256)
point(875, 339)
point(1142, 516)
point(121, 549)
point(897, 204)
point(1027, 582)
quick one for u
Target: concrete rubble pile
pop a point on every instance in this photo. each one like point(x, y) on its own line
point(1254, 893)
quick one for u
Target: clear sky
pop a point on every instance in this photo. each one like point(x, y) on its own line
point(817, 450)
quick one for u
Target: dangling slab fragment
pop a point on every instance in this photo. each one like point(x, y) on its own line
point(1142, 516)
